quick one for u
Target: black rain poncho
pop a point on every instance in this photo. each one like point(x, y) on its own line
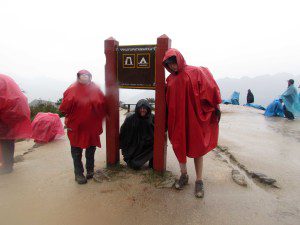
point(250, 97)
point(137, 137)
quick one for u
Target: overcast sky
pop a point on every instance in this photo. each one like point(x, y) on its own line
point(232, 38)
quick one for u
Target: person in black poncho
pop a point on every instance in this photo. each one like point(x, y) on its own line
point(250, 97)
point(137, 136)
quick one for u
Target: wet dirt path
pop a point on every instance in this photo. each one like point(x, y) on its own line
point(42, 190)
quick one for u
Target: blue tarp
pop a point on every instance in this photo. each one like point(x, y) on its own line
point(255, 106)
point(226, 102)
point(234, 100)
point(291, 100)
point(274, 109)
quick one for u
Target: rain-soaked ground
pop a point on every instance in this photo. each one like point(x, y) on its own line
point(42, 190)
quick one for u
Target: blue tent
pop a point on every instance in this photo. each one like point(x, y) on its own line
point(234, 100)
point(256, 106)
point(291, 100)
point(274, 109)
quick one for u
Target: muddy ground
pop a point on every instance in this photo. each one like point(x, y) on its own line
point(42, 190)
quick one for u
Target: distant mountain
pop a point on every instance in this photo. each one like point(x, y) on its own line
point(265, 88)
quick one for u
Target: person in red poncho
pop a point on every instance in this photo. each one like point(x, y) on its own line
point(193, 99)
point(83, 105)
point(14, 121)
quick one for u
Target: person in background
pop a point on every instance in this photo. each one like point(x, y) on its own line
point(14, 121)
point(83, 105)
point(137, 136)
point(250, 97)
point(193, 99)
point(275, 109)
point(299, 93)
point(291, 102)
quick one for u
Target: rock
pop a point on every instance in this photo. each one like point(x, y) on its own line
point(225, 161)
point(258, 175)
point(269, 181)
point(238, 178)
point(223, 149)
point(262, 178)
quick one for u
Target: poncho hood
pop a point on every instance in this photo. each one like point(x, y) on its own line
point(142, 103)
point(179, 58)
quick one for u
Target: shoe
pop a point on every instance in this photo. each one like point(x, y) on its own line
point(199, 189)
point(89, 175)
point(80, 179)
point(183, 180)
point(6, 170)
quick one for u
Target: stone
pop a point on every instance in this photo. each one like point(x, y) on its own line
point(238, 178)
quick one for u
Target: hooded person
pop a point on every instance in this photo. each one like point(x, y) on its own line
point(14, 121)
point(250, 97)
point(83, 105)
point(137, 136)
point(275, 109)
point(299, 94)
point(235, 98)
point(193, 99)
point(291, 102)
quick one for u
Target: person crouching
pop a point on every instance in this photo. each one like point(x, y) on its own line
point(137, 136)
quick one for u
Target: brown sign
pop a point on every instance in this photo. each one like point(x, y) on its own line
point(136, 66)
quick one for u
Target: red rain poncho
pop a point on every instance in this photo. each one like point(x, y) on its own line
point(84, 109)
point(192, 99)
point(14, 111)
point(47, 127)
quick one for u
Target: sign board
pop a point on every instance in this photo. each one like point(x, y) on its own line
point(136, 66)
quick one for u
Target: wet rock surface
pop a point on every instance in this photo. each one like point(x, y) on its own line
point(262, 178)
point(223, 151)
point(239, 178)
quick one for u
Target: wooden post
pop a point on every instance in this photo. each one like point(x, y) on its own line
point(1, 154)
point(160, 145)
point(112, 97)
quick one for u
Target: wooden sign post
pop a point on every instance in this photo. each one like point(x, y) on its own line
point(135, 67)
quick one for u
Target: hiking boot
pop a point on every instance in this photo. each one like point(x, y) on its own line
point(183, 180)
point(89, 175)
point(80, 179)
point(199, 189)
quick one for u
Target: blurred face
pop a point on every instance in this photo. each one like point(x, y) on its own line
point(173, 66)
point(289, 83)
point(84, 79)
point(143, 111)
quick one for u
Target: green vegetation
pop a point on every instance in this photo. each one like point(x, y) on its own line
point(47, 107)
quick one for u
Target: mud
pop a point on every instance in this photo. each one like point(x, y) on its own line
point(42, 190)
